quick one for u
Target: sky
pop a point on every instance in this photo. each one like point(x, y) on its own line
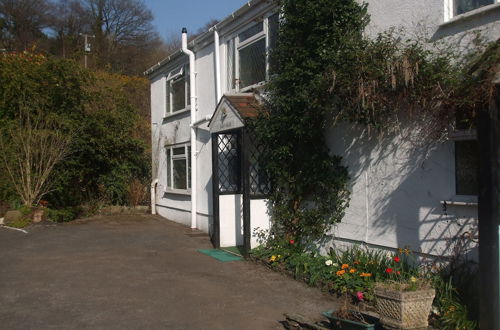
point(172, 15)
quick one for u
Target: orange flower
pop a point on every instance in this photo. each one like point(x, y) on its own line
point(365, 274)
point(340, 272)
point(344, 266)
point(352, 270)
point(356, 262)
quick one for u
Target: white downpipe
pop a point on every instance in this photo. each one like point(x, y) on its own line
point(153, 196)
point(192, 80)
point(217, 66)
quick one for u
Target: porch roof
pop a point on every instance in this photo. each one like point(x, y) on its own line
point(232, 111)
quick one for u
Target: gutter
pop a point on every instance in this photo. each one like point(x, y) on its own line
point(192, 90)
point(227, 20)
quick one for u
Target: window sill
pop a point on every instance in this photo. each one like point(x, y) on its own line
point(254, 86)
point(462, 200)
point(471, 14)
point(177, 192)
point(177, 113)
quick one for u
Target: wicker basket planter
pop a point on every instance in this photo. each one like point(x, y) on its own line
point(404, 309)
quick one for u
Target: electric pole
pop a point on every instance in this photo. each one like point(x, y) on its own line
point(86, 46)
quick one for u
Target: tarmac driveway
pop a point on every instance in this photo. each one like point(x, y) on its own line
point(138, 272)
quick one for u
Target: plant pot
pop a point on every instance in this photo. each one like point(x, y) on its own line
point(344, 324)
point(37, 216)
point(404, 309)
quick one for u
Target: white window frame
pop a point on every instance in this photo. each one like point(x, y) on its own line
point(170, 166)
point(449, 9)
point(264, 34)
point(173, 76)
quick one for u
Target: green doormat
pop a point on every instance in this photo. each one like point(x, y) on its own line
point(220, 255)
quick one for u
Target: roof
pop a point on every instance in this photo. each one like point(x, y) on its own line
point(230, 18)
point(246, 104)
point(233, 110)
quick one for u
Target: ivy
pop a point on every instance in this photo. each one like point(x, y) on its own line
point(327, 71)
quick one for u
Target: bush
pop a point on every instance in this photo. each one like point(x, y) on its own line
point(63, 215)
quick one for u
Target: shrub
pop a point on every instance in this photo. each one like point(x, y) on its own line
point(63, 215)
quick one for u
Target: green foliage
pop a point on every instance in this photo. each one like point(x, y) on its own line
point(111, 146)
point(63, 215)
point(21, 222)
point(309, 184)
point(457, 301)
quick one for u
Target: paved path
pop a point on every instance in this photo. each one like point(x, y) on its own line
point(138, 272)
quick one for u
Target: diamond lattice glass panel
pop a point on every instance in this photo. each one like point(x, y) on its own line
point(259, 179)
point(248, 33)
point(231, 66)
point(180, 180)
point(228, 163)
point(179, 151)
point(466, 167)
point(253, 63)
point(463, 6)
point(178, 95)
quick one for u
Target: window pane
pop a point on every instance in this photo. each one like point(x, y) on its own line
point(253, 63)
point(179, 151)
point(167, 101)
point(180, 174)
point(466, 167)
point(251, 31)
point(189, 167)
point(169, 171)
point(187, 77)
point(463, 6)
point(178, 95)
point(231, 65)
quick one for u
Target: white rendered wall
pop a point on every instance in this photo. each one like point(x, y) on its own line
point(259, 219)
point(396, 193)
point(231, 220)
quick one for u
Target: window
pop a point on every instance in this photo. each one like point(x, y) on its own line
point(466, 167)
point(457, 7)
point(179, 167)
point(177, 90)
point(248, 53)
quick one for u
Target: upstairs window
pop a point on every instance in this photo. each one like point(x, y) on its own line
point(458, 7)
point(248, 53)
point(177, 90)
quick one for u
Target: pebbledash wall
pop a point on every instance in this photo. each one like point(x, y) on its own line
point(402, 194)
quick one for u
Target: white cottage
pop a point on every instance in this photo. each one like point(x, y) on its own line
point(204, 168)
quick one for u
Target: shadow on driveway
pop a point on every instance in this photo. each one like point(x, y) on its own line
point(138, 271)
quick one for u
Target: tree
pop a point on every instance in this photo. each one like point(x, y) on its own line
point(30, 147)
point(123, 34)
point(22, 23)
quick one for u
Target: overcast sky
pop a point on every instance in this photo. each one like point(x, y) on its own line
point(172, 15)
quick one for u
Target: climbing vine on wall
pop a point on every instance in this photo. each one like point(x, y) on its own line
point(326, 71)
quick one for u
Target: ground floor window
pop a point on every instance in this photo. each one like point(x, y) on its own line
point(179, 166)
point(466, 167)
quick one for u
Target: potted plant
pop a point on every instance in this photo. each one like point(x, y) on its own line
point(404, 299)
point(353, 283)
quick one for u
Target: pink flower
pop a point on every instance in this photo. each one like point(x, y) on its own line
point(360, 295)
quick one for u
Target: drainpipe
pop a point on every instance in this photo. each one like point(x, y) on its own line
point(192, 81)
point(217, 66)
point(153, 196)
